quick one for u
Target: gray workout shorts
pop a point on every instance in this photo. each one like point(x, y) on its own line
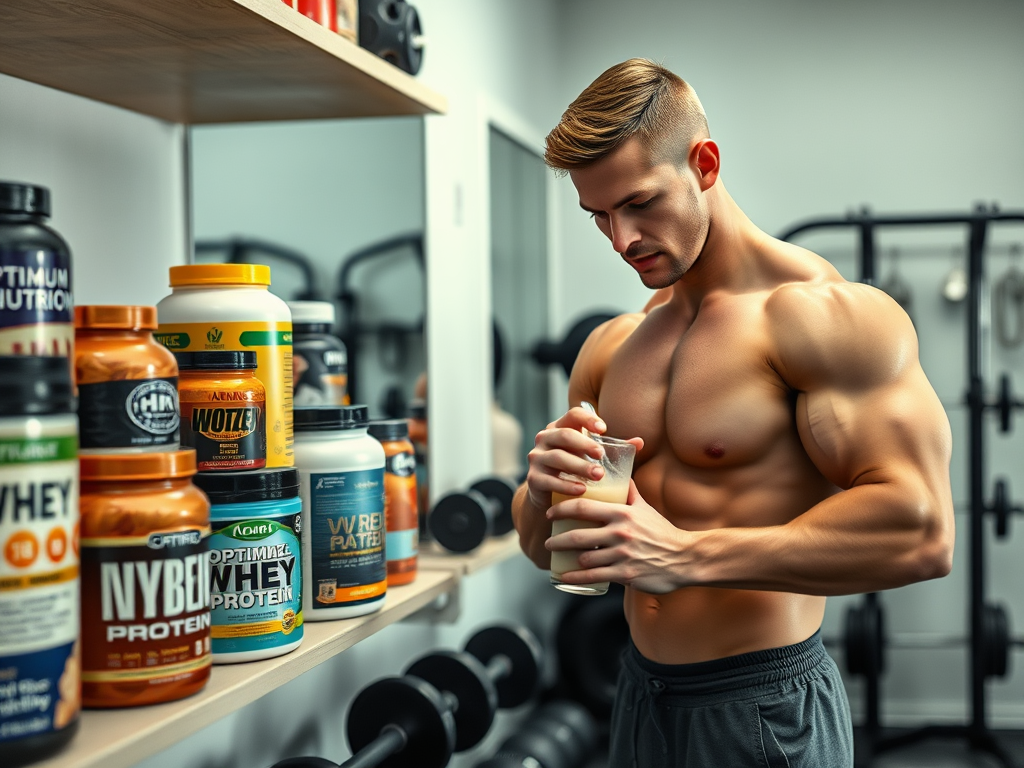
point(777, 708)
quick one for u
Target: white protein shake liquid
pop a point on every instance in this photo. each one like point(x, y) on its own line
point(568, 560)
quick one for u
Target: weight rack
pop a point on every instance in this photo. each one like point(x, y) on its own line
point(976, 732)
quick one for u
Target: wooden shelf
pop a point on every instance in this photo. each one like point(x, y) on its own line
point(203, 61)
point(493, 551)
point(122, 737)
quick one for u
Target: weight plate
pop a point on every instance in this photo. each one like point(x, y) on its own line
point(463, 676)
point(305, 762)
point(413, 705)
point(996, 640)
point(523, 651)
point(459, 521)
point(863, 639)
point(502, 491)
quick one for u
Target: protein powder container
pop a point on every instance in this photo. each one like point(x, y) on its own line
point(400, 502)
point(228, 307)
point(223, 410)
point(341, 480)
point(320, 359)
point(255, 563)
point(417, 420)
point(145, 579)
point(127, 381)
point(40, 688)
point(35, 276)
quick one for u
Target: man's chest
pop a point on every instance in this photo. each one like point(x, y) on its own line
point(704, 392)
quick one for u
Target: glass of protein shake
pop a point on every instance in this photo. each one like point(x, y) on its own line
point(613, 487)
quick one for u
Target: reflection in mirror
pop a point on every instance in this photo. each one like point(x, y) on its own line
point(336, 209)
point(519, 296)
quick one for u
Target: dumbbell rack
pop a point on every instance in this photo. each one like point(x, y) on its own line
point(976, 732)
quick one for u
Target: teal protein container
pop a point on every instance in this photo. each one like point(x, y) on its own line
point(255, 563)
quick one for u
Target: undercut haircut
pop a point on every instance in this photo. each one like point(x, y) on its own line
point(635, 98)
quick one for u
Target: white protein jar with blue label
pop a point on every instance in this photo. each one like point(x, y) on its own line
point(255, 563)
point(341, 480)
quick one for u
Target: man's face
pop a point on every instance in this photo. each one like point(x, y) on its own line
point(654, 215)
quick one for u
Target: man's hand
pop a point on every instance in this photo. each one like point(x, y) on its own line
point(634, 545)
point(558, 457)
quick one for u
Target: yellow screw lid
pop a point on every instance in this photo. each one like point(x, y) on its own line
point(220, 274)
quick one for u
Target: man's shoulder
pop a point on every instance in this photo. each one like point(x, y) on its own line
point(828, 326)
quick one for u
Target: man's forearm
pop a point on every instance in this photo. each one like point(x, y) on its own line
point(533, 527)
point(865, 539)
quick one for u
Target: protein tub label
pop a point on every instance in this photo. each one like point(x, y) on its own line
point(128, 413)
point(36, 307)
point(145, 607)
point(272, 343)
point(39, 666)
point(256, 583)
point(346, 536)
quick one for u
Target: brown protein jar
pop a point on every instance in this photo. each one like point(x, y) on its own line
point(223, 410)
point(145, 579)
point(127, 381)
point(400, 500)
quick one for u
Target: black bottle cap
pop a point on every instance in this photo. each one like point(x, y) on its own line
point(31, 385)
point(249, 486)
point(320, 418)
point(389, 429)
point(417, 409)
point(16, 197)
point(215, 361)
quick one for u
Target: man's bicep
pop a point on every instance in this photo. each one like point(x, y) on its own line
point(896, 430)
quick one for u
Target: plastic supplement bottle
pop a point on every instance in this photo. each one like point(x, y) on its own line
point(255, 563)
point(320, 358)
point(400, 502)
point(228, 307)
point(40, 686)
point(35, 276)
point(341, 481)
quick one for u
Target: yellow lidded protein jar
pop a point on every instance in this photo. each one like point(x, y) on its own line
point(228, 307)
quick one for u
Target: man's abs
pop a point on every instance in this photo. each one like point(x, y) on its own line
point(703, 623)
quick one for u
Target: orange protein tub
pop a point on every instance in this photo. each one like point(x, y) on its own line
point(127, 381)
point(145, 579)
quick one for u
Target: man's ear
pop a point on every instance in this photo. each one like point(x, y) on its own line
point(706, 160)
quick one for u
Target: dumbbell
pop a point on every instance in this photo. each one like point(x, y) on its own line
point(499, 668)
point(460, 521)
point(559, 734)
point(392, 30)
point(395, 722)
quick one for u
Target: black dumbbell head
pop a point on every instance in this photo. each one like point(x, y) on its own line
point(524, 653)
point(501, 491)
point(413, 705)
point(463, 676)
point(538, 745)
point(577, 718)
point(460, 522)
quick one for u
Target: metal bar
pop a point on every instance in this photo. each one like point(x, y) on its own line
point(976, 400)
point(392, 739)
point(854, 220)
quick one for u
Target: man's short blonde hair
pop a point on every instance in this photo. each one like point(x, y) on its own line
point(635, 98)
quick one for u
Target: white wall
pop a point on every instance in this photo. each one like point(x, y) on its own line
point(493, 60)
point(117, 187)
point(820, 108)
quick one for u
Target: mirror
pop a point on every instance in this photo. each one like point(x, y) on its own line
point(336, 209)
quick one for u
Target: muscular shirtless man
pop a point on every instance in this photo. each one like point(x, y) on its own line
point(790, 448)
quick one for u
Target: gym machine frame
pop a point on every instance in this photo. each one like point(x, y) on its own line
point(977, 732)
